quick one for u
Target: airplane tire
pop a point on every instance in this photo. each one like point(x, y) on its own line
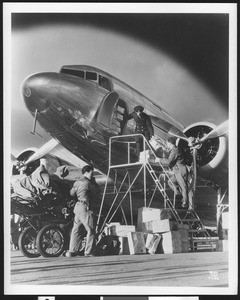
point(27, 243)
point(51, 241)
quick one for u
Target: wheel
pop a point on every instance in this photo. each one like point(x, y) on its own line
point(51, 241)
point(27, 242)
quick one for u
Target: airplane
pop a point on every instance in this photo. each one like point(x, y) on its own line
point(81, 107)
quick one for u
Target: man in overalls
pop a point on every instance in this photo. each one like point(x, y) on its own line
point(175, 161)
point(83, 215)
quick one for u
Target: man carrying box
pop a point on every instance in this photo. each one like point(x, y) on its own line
point(175, 161)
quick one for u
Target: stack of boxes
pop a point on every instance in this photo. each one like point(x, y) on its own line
point(132, 242)
point(174, 236)
point(155, 233)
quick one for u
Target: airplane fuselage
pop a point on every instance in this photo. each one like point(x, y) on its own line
point(82, 107)
point(83, 112)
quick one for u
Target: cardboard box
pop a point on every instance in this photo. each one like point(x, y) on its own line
point(136, 243)
point(184, 235)
point(145, 227)
point(171, 242)
point(124, 248)
point(185, 247)
point(121, 230)
point(146, 156)
point(147, 214)
point(162, 226)
point(225, 224)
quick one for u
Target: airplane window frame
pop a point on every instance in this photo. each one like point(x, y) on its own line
point(90, 72)
point(73, 72)
point(109, 88)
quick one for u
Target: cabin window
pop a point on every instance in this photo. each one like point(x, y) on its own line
point(91, 75)
point(105, 83)
point(78, 73)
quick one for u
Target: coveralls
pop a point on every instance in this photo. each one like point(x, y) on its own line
point(83, 216)
point(143, 126)
point(175, 161)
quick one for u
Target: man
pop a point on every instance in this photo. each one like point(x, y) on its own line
point(83, 216)
point(143, 126)
point(175, 161)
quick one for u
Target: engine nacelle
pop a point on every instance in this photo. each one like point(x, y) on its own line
point(212, 155)
point(51, 162)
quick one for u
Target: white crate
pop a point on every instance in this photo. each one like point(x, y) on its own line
point(171, 242)
point(124, 247)
point(146, 156)
point(225, 224)
point(121, 230)
point(147, 214)
point(162, 226)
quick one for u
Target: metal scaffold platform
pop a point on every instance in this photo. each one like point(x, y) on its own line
point(145, 175)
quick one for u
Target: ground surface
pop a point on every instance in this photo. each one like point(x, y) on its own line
point(196, 269)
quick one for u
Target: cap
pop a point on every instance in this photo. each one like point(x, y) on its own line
point(138, 108)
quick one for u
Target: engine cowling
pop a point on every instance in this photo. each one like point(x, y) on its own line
point(212, 155)
point(51, 162)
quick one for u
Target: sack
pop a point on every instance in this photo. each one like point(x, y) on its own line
point(152, 243)
point(108, 245)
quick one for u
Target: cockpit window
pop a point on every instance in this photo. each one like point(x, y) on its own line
point(78, 73)
point(105, 83)
point(91, 75)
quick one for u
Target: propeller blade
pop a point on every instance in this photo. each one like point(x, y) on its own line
point(46, 148)
point(194, 154)
point(179, 135)
point(168, 128)
point(220, 130)
point(13, 158)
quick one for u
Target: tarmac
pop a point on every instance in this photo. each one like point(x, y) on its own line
point(156, 273)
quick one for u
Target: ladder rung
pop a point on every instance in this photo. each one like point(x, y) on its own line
point(204, 241)
point(197, 230)
point(190, 220)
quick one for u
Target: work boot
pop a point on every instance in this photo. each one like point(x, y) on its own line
point(70, 254)
point(184, 205)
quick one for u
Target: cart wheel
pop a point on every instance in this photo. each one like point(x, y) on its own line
point(51, 241)
point(27, 242)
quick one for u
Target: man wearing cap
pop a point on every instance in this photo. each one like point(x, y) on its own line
point(175, 161)
point(143, 126)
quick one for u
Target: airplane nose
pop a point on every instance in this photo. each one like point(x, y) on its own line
point(40, 90)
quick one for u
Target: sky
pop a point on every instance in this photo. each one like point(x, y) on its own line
point(179, 60)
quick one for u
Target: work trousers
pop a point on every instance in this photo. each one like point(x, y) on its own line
point(180, 178)
point(83, 216)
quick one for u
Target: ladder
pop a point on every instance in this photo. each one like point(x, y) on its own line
point(198, 235)
point(162, 190)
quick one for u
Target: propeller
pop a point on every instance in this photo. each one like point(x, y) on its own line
point(42, 151)
point(220, 130)
point(168, 128)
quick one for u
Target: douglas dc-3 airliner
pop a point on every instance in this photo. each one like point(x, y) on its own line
point(81, 107)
